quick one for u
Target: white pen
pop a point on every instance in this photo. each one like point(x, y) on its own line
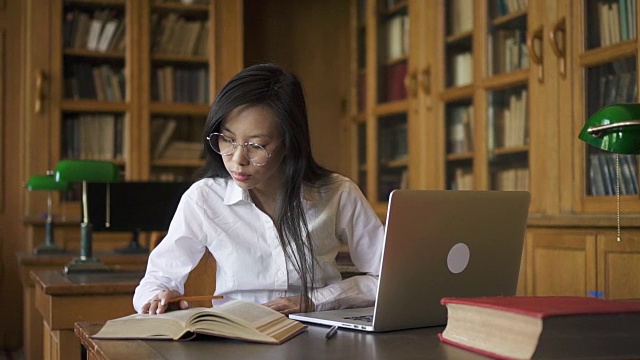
point(331, 332)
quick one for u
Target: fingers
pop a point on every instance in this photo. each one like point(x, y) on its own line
point(184, 304)
point(159, 303)
point(286, 305)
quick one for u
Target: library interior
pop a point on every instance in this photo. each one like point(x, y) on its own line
point(401, 94)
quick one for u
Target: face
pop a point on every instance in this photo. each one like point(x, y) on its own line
point(255, 124)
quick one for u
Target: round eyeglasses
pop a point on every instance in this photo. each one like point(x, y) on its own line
point(223, 145)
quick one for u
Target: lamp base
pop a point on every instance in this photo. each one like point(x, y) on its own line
point(48, 249)
point(85, 265)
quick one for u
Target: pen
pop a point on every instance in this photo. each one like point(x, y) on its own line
point(195, 298)
point(332, 332)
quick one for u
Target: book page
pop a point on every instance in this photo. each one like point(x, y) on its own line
point(254, 314)
point(167, 325)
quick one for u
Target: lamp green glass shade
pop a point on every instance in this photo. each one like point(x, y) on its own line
point(46, 182)
point(614, 128)
point(87, 170)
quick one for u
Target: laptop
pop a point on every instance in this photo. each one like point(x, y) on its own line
point(439, 243)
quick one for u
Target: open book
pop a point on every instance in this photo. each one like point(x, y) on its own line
point(236, 319)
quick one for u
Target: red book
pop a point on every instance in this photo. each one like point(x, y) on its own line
point(551, 327)
point(395, 86)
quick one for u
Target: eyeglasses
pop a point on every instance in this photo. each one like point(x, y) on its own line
point(223, 145)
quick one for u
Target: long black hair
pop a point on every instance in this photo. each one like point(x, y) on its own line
point(281, 92)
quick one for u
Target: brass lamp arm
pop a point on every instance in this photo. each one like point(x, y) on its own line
point(598, 131)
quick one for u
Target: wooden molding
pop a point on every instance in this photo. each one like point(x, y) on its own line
point(3, 118)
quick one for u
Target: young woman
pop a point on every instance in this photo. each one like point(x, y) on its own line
point(272, 218)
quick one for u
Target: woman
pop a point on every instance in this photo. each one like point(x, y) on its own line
point(272, 218)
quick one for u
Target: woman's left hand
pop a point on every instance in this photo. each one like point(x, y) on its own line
point(289, 305)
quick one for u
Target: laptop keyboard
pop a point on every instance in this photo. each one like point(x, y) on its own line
point(365, 318)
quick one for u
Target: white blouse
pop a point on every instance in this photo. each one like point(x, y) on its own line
point(217, 215)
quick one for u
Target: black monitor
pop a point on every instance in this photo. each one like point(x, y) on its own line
point(133, 207)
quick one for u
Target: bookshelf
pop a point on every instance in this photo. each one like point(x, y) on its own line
point(382, 95)
point(178, 53)
point(496, 93)
point(113, 76)
point(607, 58)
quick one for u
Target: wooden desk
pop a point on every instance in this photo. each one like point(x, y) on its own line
point(346, 344)
point(64, 299)
point(27, 262)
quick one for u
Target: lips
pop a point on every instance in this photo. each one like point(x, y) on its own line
point(241, 177)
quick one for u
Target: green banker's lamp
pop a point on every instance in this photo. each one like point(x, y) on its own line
point(85, 171)
point(49, 184)
point(614, 128)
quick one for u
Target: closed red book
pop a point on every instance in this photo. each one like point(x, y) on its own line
point(395, 85)
point(551, 327)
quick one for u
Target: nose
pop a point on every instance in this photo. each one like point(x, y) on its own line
point(238, 156)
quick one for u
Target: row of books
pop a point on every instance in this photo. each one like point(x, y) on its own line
point(397, 30)
point(462, 69)
point(616, 88)
point(506, 7)
point(104, 30)
point(392, 145)
point(460, 16)
point(176, 35)
point(101, 82)
point(460, 129)
point(510, 122)
point(512, 179)
point(603, 175)
point(617, 21)
point(176, 138)
point(170, 84)
point(462, 179)
point(391, 179)
point(171, 175)
point(509, 51)
point(93, 136)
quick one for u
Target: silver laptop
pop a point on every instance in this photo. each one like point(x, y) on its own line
point(440, 244)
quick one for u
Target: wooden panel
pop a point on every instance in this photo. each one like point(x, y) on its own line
point(2, 115)
point(560, 264)
point(619, 266)
point(202, 280)
point(68, 309)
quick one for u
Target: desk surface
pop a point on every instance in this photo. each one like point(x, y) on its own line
point(346, 344)
point(56, 282)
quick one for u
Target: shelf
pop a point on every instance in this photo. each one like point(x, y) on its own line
point(501, 81)
point(98, 55)
point(391, 108)
point(452, 94)
point(505, 19)
point(179, 109)
point(607, 54)
point(182, 8)
point(182, 59)
point(177, 163)
point(92, 106)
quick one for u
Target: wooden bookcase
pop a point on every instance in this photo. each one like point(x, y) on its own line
point(497, 92)
point(116, 98)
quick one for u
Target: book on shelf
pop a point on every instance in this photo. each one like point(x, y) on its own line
point(460, 16)
point(462, 71)
point(166, 129)
point(524, 327)
point(236, 319)
point(397, 31)
point(395, 85)
point(182, 150)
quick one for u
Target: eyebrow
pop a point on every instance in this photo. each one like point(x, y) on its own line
point(253, 136)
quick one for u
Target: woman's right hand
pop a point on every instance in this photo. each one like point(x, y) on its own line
point(160, 302)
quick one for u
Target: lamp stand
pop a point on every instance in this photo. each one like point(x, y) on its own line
point(85, 263)
point(49, 246)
